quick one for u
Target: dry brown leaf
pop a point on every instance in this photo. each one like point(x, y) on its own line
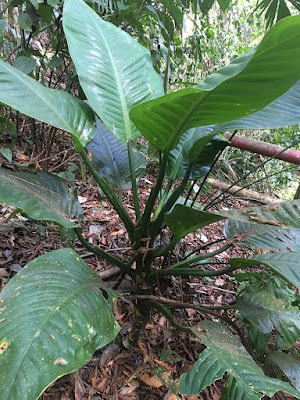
point(219, 282)
point(151, 380)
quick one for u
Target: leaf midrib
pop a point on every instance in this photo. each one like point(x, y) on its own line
point(128, 131)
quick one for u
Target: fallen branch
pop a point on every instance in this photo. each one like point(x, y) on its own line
point(239, 191)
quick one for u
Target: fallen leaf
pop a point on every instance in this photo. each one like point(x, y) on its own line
point(151, 380)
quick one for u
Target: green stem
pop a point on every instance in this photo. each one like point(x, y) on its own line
point(169, 204)
point(201, 257)
point(166, 77)
point(112, 197)
point(133, 181)
point(153, 196)
point(163, 199)
point(191, 272)
point(162, 251)
point(101, 253)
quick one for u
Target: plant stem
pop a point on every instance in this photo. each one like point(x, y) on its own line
point(192, 272)
point(201, 257)
point(169, 204)
point(101, 253)
point(133, 181)
point(162, 251)
point(153, 196)
point(180, 304)
point(112, 197)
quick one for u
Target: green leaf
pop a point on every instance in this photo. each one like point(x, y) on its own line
point(25, 22)
point(183, 220)
point(269, 313)
point(6, 153)
point(284, 215)
point(206, 5)
point(53, 318)
point(224, 4)
point(286, 264)
point(226, 353)
point(114, 70)
point(110, 156)
point(263, 236)
point(54, 107)
point(242, 88)
point(43, 196)
point(25, 64)
point(284, 111)
point(287, 364)
point(238, 390)
point(204, 372)
point(2, 26)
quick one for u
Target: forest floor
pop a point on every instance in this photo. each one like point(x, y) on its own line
point(117, 372)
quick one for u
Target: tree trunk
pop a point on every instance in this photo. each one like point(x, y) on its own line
point(265, 149)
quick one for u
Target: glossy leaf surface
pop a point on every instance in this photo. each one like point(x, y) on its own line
point(53, 318)
point(114, 70)
point(288, 365)
point(54, 107)
point(183, 220)
point(269, 313)
point(263, 236)
point(110, 156)
point(240, 89)
point(43, 196)
point(228, 354)
point(284, 215)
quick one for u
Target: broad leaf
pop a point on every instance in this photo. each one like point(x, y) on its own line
point(242, 88)
point(286, 264)
point(53, 318)
point(282, 215)
point(183, 220)
point(226, 353)
point(114, 70)
point(110, 156)
point(263, 236)
point(284, 111)
point(270, 313)
point(43, 196)
point(212, 369)
point(54, 107)
point(287, 364)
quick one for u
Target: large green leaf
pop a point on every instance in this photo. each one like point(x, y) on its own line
point(284, 215)
point(270, 313)
point(43, 196)
point(226, 353)
point(287, 364)
point(263, 236)
point(183, 220)
point(284, 111)
point(55, 107)
point(286, 264)
point(53, 318)
point(114, 70)
point(247, 85)
point(110, 156)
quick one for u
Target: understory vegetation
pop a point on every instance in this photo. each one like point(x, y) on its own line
point(134, 108)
